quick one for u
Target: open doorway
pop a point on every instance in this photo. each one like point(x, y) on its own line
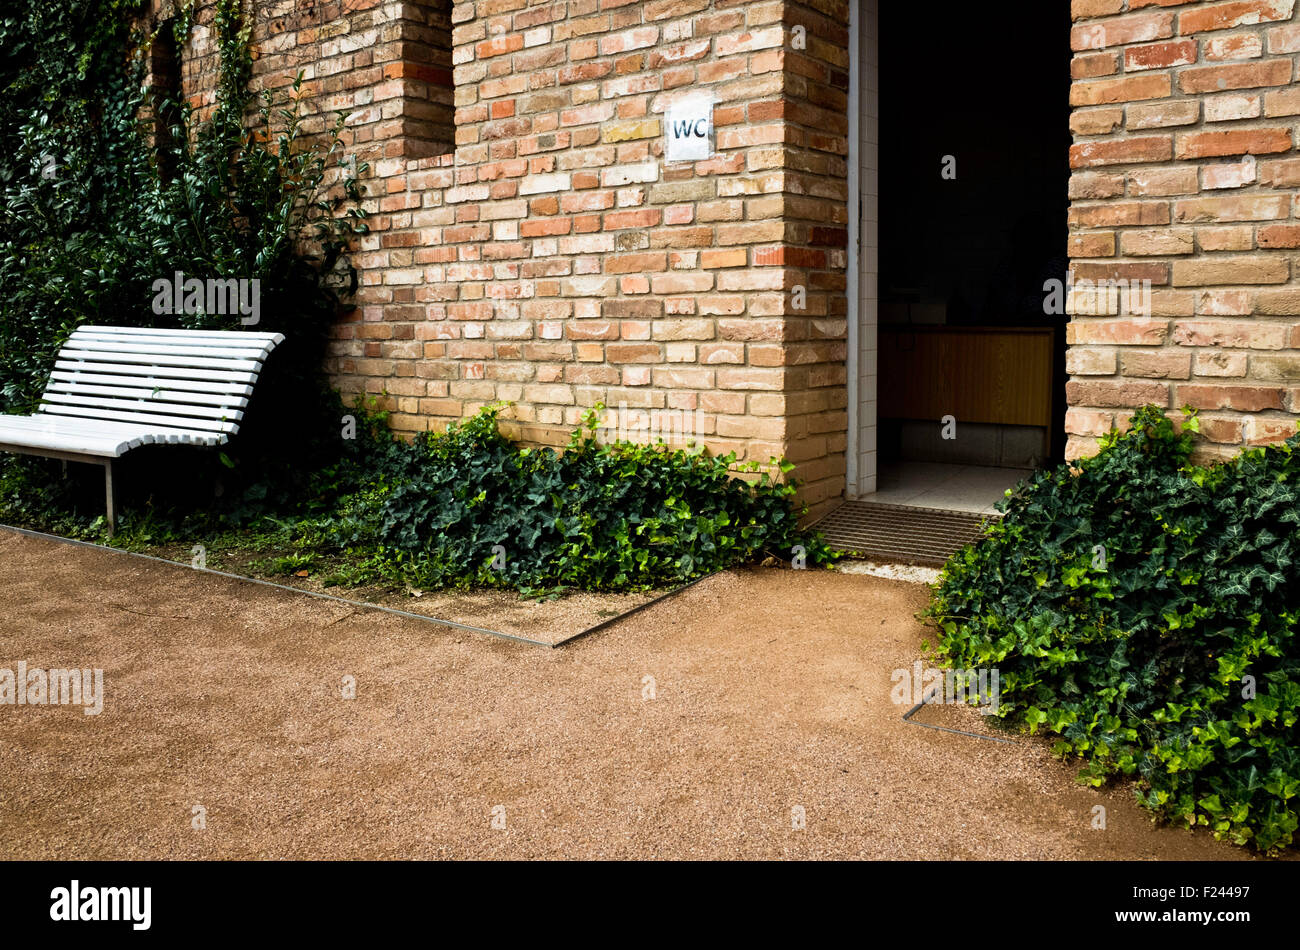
point(963, 152)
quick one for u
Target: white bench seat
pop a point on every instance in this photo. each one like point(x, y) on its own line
point(116, 388)
point(93, 436)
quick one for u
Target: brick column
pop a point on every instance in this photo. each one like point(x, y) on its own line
point(1184, 121)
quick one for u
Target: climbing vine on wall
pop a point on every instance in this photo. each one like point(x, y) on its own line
point(94, 209)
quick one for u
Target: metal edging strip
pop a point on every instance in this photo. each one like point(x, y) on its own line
point(360, 603)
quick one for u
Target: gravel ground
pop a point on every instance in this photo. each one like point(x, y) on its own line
point(770, 695)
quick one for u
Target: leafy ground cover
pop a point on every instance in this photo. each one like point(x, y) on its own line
point(1143, 609)
point(464, 508)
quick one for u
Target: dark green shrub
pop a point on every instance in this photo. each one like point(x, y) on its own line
point(595, 517)
point(92, 212)
point(1144, 609)
point(432, 512)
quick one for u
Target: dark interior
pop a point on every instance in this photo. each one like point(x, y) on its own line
point(974, 251)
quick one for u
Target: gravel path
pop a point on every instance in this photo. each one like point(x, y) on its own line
point(771, 694)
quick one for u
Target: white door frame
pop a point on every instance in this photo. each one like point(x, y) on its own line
point(863, 260)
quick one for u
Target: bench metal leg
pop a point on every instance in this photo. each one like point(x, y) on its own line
point(110, 497)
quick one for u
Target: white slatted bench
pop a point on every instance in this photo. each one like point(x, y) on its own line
point(115, 388)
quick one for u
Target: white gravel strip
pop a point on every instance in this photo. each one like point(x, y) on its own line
point(897, 572)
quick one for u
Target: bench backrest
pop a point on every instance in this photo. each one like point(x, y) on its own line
point(197, 380)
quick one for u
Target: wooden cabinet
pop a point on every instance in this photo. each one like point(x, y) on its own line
point(1000, 375)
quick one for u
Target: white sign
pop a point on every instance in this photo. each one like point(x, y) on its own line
point(690, 129)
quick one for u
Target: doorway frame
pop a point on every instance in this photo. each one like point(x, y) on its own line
point(862, 284)
point(863, 265)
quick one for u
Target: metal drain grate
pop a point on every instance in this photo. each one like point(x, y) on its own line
point(902, 534)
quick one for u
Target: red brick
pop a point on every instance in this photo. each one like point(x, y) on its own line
point(1280, 174)
point(1122, 332)
point(1155, 243)
point(1117, 395)
point(1162, 115)
point(1121, 31)
point(1273, 72)
point(1088, 422)
point(1161, 182)
point(1233, 208)
point(1127, 89)
point(633, 353)
point(1223, 175)
point(1236, 334)
point(1261, 431)
point(1234, 142)
point(1280, 235)
point(1092, 244)
point(499, 45)
point(1284, 367)
point(1160, 55)
point(1243, 398)
point(1156, 364)
point(1230, 271)
point(1157, 273)
point(1225, 431)
point(1096, 121)
point(1122, 151)
point(1233, 107)
point(1084, 185)
point(1284, 39)
point(1081, 361)
point(724, 257)
point(1225, 16)
point(1080, 9)
point(1092, 65)
point(1236, 46)
point(1282, 102)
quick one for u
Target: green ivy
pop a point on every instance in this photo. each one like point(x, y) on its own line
point(469, 508)
point(435, 512)
point(92, 212)
point(1144, 610)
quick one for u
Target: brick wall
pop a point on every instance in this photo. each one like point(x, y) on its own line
point(814, 403)
point(552, 257)
point(387, 63)
point(534, 245)
point(1184, 174)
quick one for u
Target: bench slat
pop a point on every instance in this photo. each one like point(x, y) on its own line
point(100, 329)
point(53, 432)
point(144, 418)
point(181, 337)
point(90, 436)
point(188, 410)
point(190, 341)
point(68, 442)
point(52, 423)
point(167, 359)
point(176, 383)
point(114, 351)
point(239, 376)
point(154, 395)
point(97, 427)
point(227, 349)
